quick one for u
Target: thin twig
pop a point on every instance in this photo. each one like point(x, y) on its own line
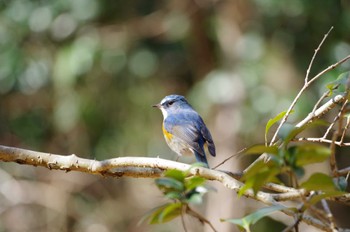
point(183, 211)
point(343, 172)
point(321, 140)
point(329, 129)
point(294, 225)
point(306, 85)
point(345, 129)
point(332, 160)
point(318, 113)
point(225, 160)
point(199, 217)
point(315, 53)
point(320, 214)
point(298, 215)
point(328, 213)
point(284, 119)
point(329, 68)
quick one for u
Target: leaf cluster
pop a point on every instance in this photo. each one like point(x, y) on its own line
point(287, 158)
point(182, 190)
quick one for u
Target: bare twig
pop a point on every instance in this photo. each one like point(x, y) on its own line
point(329, 128)
point(345, 129)
point(284, 119)
point(328, 213)
point(292, 226)
point(329, 68)
point(332, 160)
point(341, 112)
point(225, 160)
point(343, 172)
point(306, 85)
point(315, 53)
point(199, 217)
point(183, 211)
point(322, 140)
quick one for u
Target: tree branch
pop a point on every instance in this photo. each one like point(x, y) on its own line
point(325, 108)
point(148, 168)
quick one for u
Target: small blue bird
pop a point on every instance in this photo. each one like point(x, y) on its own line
point(184, 129)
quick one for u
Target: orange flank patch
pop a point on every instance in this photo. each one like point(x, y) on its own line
point(167, 135)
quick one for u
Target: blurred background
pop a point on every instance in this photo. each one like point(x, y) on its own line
point(80, 77)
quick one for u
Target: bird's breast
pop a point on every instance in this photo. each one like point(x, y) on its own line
point(168, 136)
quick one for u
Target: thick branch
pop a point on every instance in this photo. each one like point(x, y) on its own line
point(142, 167)
point(118, 167)
point(325, 108)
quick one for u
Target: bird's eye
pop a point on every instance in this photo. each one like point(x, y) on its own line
point(170, 103)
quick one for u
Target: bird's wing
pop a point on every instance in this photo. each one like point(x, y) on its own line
point(207, 136)
point(188, 133)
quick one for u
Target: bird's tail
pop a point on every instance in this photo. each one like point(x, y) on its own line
point(201, 158)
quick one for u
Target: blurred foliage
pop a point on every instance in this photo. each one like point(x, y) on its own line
point(182, 190)
point(80, 76)
point(251, 219)
point(288, 159)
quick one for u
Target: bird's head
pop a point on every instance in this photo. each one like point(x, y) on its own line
point(172, 103)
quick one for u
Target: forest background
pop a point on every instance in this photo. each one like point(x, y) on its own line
point(79, 77)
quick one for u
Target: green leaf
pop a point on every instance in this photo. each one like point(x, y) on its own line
point(260, 173)
point(310, 153)
point(252, 218)
point(259, 149)
point(168, 184)
point(341, 82)
point(289, 132)
point(170, 212)
point(163, 213)
point(268, 224)
point(325, 195)
point(272, 121)
point(174, 195)
point(175, 174)
point(193, 182)
point(319, 181)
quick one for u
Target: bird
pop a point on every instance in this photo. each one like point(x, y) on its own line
point(184, 129)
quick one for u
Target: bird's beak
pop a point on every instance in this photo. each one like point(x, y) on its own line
point(157, 106)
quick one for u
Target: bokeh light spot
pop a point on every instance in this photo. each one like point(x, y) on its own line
point(40, 19)
point(177, 25)
point(34, 77)
point(143, 63)
point(19, 10)
point(63, 26)
point(84, 9)
point(66, 112)
point(263, 99)
point(222, 87)
point(113, 61)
